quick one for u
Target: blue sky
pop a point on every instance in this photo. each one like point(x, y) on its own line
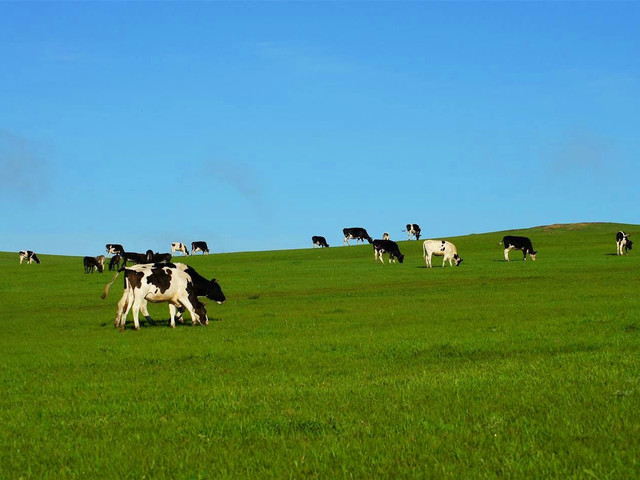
point(255, 125)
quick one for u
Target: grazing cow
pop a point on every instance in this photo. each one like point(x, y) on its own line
point(360, 234)
point(199, 247)
point(511, 242)
point(161, 258)
point(623, 242)
point(178, 284)
point(136, 258)
point(114, 263)
point(413, 230)
point(386, 236)
point(386, 246)
point(440, 248)
point(179, 247)
point(319, 241)
point(114, 248)
point(93, 263)
point(29, 256)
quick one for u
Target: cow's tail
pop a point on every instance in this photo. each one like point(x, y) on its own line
point(108, 285)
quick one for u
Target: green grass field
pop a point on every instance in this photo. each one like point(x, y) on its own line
point(324, 364)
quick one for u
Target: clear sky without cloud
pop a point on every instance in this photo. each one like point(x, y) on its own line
point(255, 125)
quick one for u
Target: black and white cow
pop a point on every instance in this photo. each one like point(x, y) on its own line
point(357, 233)
point(511, 242)
point(93, 263)
point(199, 247)
point(177, 284)
point(440, 248)
point(386, 236)
point(179, 247)
point(29, 256)
point(114, 263)
point(387, 246)
point(413, 230)
point(114, 248)
point(319, 241)
point(623, 242)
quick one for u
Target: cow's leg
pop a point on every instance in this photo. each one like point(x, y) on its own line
point(136, 312)
point(128, 302)
point(429, 259)
point(506, 254)
point(172, 314)
point(194, 318)
point(122, 306)
point(524, 254)
point(145, 312)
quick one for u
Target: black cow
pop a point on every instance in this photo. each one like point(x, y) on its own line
point(319, 241)
point(387, 246)
point(623, 242)
point(413, 230)
point(114, 248)
point(29, 256)
point(360, 234)
point(136, 258)
point(518, 243)
point(93, 263)
point(114, 263)
point(199, 247)
point(161, 258)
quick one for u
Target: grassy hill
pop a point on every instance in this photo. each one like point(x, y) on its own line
point(324, 364)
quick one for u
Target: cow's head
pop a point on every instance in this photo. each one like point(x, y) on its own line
point(532, 255)
point(400, 258)
point(629, 243)
point(214, 292)
point(458, 259)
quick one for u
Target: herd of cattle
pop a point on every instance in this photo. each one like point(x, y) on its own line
point(154, 278)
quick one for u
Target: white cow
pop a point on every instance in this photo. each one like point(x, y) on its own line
point(157, 283)
point(440, 248)
point(179, 247)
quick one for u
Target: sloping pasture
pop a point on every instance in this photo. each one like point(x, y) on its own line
point(324, 364)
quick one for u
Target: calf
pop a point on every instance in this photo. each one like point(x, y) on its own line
point(29, 256)
point(440, 248)
point(413, 230)
point(386, 246)
point(93, 263)
point(199, 247)
point(623, 242)
point(511, 242)
point(179, 247)
point(114, 263)
point(357, 233)
point(114, 248)
point(319, 241)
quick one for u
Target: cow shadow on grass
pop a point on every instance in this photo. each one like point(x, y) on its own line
point(159, 324)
